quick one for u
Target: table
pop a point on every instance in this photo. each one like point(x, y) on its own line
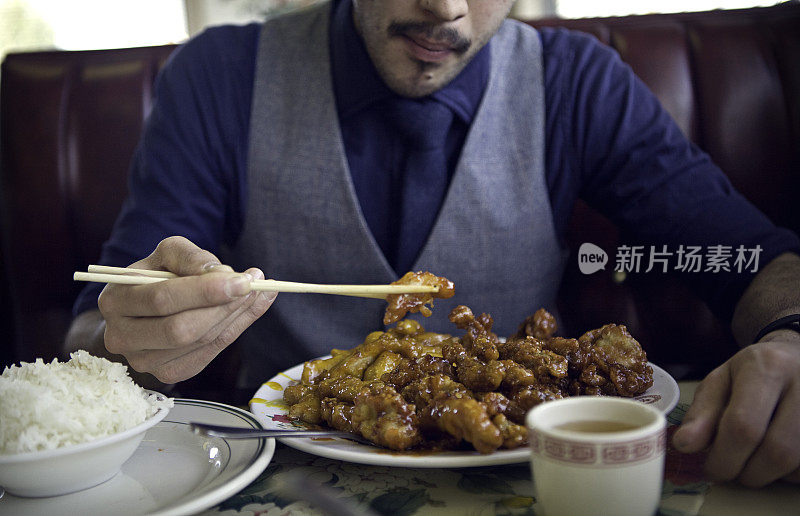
point(493, 490)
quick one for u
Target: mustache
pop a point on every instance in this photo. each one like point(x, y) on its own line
point(433, 32)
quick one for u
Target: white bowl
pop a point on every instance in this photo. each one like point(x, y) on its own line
point(75, 467)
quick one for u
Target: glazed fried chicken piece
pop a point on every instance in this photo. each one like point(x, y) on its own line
point(415, 342)
point(540, 325)
point(372, 409)
point(482, 347)
point(313, 369)
point(517, 376)
point(507, 416)
point(495, 402)
point(408, 371)
point(341, 388)
point(522, 400)
point(385, 363)
point(294, 393)
point(472, 372)
point(592, 382)
point(451, 413)
point(401, 304)
point(480, 376)
point(532, 354)
point(351, 362)
point(304, 403)
point(424, 389)
point(479, 340)
point(407, 340)
point(337, 414)
point(381, 415)
point(464, 418)
point(513, 435)
point(355, 361)
point(615, 363)
point(567, 348)
point(464, 319)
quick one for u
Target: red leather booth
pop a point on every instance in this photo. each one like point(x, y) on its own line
point(70, 122)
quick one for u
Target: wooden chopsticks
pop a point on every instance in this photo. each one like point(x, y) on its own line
point(129, 276)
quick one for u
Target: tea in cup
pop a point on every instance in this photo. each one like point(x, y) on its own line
point(597, 455)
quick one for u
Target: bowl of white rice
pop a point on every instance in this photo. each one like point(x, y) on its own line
point(68, 426)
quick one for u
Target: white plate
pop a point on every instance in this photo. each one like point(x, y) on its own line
point(172, 472)
point(270, 410)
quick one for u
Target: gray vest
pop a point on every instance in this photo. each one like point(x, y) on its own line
point(494, 237)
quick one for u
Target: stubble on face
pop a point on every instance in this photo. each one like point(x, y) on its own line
point(388, 43)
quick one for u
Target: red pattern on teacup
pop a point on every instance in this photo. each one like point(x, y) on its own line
point(635, 451)
point(582, 453)
point(614, 454)
point(555, 448)
point(643, 449)
point(569, 451)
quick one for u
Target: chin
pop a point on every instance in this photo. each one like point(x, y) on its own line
point(419, 84)
point(418, 91)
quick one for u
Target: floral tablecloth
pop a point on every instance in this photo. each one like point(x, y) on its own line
point(467, 491)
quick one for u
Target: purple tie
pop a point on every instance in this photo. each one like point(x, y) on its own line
point(423, 126)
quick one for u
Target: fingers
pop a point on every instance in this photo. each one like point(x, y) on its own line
point(183, 315)
point(743, 425)
point(176, 364)
point(699, 426)
point(232, 326)
point(173, 296)
point(204, 282)
point(180, 329)
point(174, 328)
point(177, 346)
point(181, 256)
point(752, 432)
point(778, 455)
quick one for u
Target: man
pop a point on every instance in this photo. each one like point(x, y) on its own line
point(291, 148)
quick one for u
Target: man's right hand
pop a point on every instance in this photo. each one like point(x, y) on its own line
point(174, 328)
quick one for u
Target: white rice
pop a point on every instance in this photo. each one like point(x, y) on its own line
point(46, 406)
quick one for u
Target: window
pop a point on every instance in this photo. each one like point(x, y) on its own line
point(582, 9)
point(203, 13)
point(87, 24)
point(27, 25)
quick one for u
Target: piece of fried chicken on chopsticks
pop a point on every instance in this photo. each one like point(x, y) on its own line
point(401, 304)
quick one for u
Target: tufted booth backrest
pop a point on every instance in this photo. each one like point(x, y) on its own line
point(70, 123)
point(71, 120)
point(731, 80)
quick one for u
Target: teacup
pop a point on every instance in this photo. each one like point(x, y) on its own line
point(597, 455)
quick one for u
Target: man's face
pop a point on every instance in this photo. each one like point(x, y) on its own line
point(418, 46)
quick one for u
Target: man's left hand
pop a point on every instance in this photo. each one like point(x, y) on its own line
point(746, 414)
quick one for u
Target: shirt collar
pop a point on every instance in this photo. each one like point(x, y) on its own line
point(357, 83)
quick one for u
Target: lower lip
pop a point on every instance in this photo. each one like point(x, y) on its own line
point(425, 54)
